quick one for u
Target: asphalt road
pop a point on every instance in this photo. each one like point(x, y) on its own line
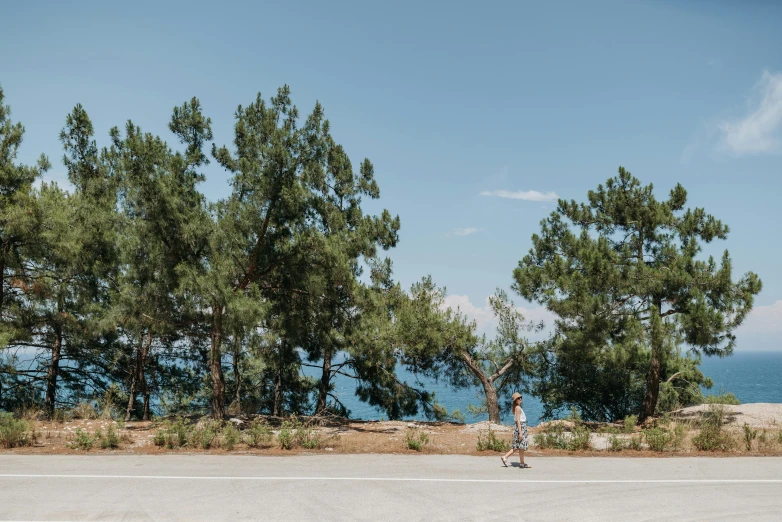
point(387, 487)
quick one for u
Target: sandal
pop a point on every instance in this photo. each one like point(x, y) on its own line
point(504, 461)
point(525, 465)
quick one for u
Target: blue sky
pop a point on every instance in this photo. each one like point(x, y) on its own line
point(451, 101)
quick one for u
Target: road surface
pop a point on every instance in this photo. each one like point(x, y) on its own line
point(387, 487)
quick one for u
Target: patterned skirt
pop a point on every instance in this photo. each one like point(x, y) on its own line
point(520, 440)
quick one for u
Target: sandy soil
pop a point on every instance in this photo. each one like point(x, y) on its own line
point(351, 437)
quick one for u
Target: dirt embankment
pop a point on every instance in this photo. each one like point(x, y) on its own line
point(347, 436)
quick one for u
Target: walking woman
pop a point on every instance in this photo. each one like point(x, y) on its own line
point(520, 439)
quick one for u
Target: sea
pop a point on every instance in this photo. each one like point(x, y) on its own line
point(751, 376)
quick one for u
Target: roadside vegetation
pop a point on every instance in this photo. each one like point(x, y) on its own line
point(130, 296)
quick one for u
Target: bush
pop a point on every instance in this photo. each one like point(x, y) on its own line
point(15, 432)
point(553, 436)
point(258, 434)
point(83, 441)
point(286, 435)
point(724, 398)
point(658, 439)
point(111, 439)
point(634, 443)
point(579, 439)
point(629, 423)
point(159, 439)
point(749, 436)
point(491, 442)
point(616, 443)
point(416, 439)
point(230, 436)
point(711, 436)
point(306, 437)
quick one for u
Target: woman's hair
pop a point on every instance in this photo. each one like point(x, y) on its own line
point(513, 407)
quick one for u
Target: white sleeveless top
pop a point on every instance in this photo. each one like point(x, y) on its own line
point(522, 417)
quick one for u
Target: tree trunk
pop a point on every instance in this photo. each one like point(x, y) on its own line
point(488, 386)
point(653, 376)
point(54, 370)
point(491, 401)
point(133, 379)
point(143, 377)
point(237, 378)
point(216, 364)
point(325, 382)
point(278, 392)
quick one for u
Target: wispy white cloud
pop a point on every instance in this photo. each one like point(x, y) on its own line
point(762, 329)
point(526, 195)
point(486, 322)
point(464, 231)
point(760, 131)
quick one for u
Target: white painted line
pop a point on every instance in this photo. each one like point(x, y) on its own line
point(409, 479)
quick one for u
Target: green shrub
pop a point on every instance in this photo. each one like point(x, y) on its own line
point(306, 437)
point(658, 439)
point(258, 434)
point(579, 439)
point(110, 440)
point(616, 443)
point(15, 432)
point(458, 416)
point(416, 439)
point(491, 442)
point(634, 443)
point(679, 434)
point(230, 437)
point(779, 437)
point(724, 398)
point(159, 439)
point(552, 437)
point(749, 436)
point(629, 423)
point(711, 436)
point(286, 435)
point(555, 437)
point(82, 440)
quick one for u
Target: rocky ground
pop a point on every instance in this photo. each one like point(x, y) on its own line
point(351, 437)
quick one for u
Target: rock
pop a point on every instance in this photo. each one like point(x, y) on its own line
point(329, 449)
point(236, 422)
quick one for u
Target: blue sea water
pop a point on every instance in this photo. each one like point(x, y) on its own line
point(751, 376)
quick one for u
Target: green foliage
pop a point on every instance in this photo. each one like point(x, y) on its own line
point(229, 437)
point(712, 436)
point(286, 435)
point(109, 440)
point(624, 273)
point(82, 440)
point(629, 423)
point(555, 436)
point(416, 439)
point(490, 442)
point(658, 439)
point(724, 398)
point(15, 432)
point(749, 436)
point(258, 434)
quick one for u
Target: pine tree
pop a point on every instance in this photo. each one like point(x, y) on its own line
point(626, 262)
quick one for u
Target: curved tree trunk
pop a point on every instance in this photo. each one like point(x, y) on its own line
point(491, 401)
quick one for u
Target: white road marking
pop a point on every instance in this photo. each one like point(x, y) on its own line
point(409, 479)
